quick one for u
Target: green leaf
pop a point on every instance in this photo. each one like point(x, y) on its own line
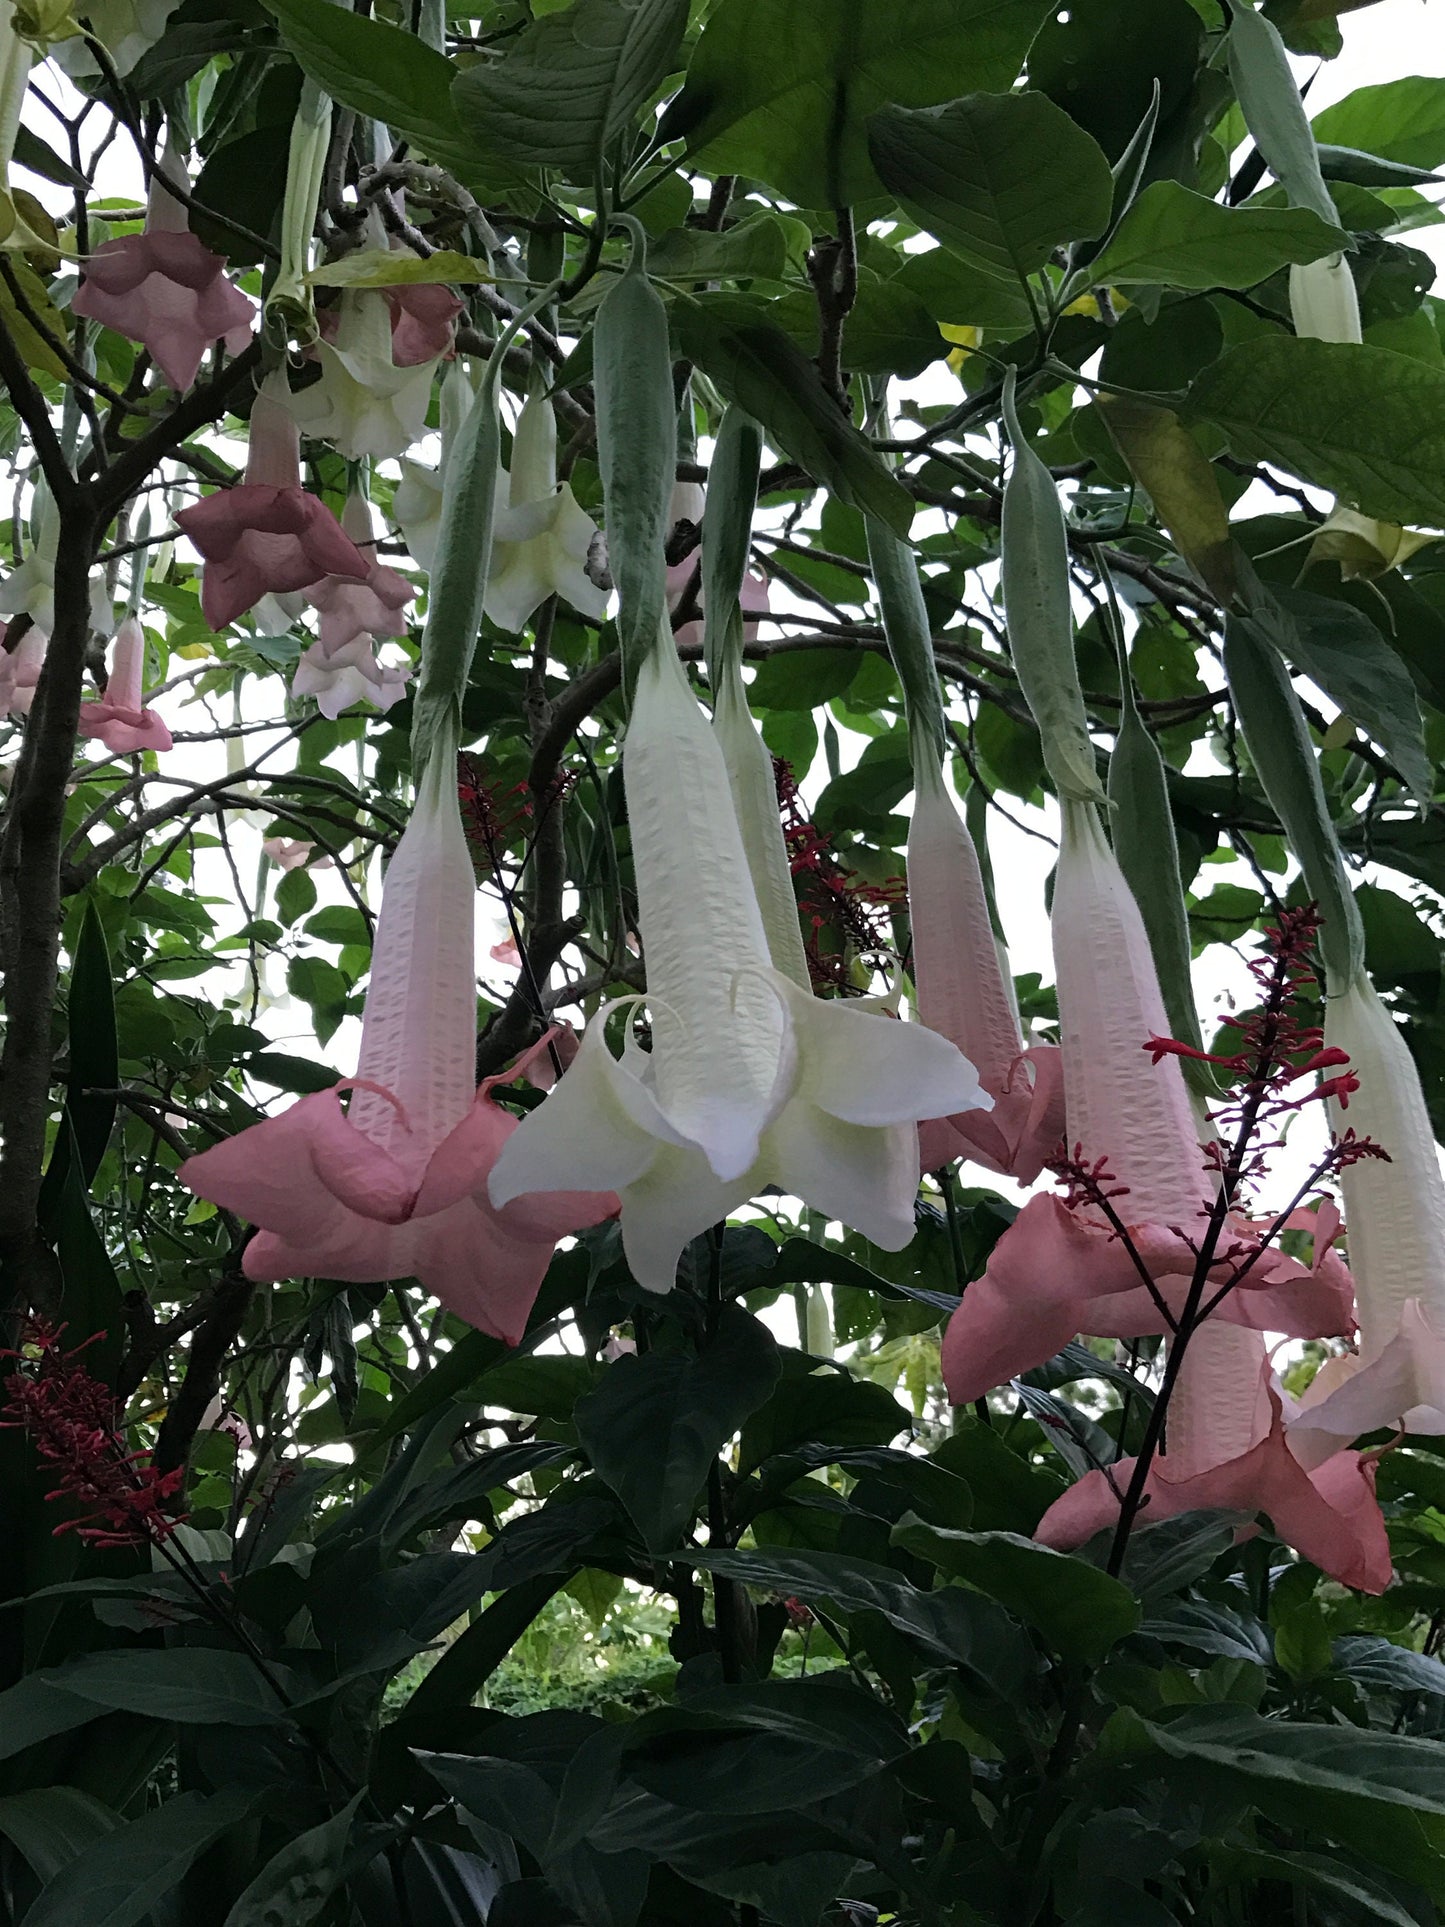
point(1337, 647)
point(1002, 179)
point(50, 1825)
point(378, 71)
point(1384, 1667)
point(1332, 1877)
point(292, 1888)
point(1080, 1611)
point(1401, 120)
point(571, 83)
point(295, 895)
point(1364, 422)
point(782, 89)
point(119, 1879)
point(821, 1408)
point(394, 268)
point(759, 1749)
point(1380, 1794)
point(289, 1073)
point(655, 1425)
point(959, 1627)
point(193, 1685)
point(759, 246)
point(767, 374)
point(1184, 240)
point(36, 1708)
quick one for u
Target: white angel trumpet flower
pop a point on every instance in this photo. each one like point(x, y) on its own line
point(542, 539)
point(1323, 303)
point(751, 1082)
point(417, 501)
point(364, 405)
point(755, 799)
point(1395, 1225)
point(31, 587)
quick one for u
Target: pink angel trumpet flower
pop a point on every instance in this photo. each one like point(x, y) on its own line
point(1059, 1271)
point(374, 606)
point(293, 853)
point(964, 994)
point(396, 1185)
point(165, 288)
point(267, 536)
point(120, 717)
point(751, 1082)
point(687, 506)
point(20, 669)
point(1395, 1217)
point(543, 540)
point(1228, 1449)
point(423, 323)
point(340, 678)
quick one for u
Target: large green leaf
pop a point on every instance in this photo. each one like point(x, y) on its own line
point(1365, 422)
point(1080, 1611)
point(294, 1886)
point(37, 1708)
point(959, 1627)
point(571, 83)
point(781, 89)
point(1337, 647)
point(50, 1825)
point(380, 72)
point(756, 1749)
point(198, 1686)
point(1381, 1794)
point(767, 374)
point(1401, 120)
point(655, 1425)
point(117, 1881)
point(1366, 1898)
point(1184, 240)
point(1387, 1668)
point(1002, 179)
point(820, 1408)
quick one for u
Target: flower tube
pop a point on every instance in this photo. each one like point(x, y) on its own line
point(120, 717)
point(1226, 1449)
point(750, 1081)
point(1056, 1271)
point(396, 1186)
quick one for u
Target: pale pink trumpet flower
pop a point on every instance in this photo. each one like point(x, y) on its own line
point(1056, 1271)
point(120, 717)
point(396, 1186)
point(341, 667)
point(1396, 1232)
point(1227, 1449)
point(20, 669)
point(963, 994)
point(165, 288)
point(267, 536)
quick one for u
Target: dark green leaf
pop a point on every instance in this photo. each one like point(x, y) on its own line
point(761, 369)
point(654, 1426)
point(1080, 1611)
point(1002, 179)
point(566, 88)
point(50, 1825)
point(1332, 1877)
point(826, 1407)
point(957, 1626)
point(1365, 422)
point(1402, 120)
point(193, 1685)
point(1386, 1668)
point(120, 1878)
point(781, 89)
point(1337, 647)
point(294, 1886)
point(290, 1073)
point(1185, 240)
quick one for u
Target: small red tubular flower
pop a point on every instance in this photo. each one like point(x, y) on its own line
point(119, 1498)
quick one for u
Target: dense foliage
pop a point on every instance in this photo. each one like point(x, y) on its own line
point(320, 1601)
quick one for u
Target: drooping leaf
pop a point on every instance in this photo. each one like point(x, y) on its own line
point(760, 368)
point(1002, 179)
point(1184, 240)
point(394, 268)
point(655, 1425)
point(193, 1685)
point(571, 83)
point(1365, 422)
point(1339, 648)
point(120, 1878)
point(1080, 1611)
point(294, 1886)
point(782, 89)
point(50, 1825)
point(1402, 120)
